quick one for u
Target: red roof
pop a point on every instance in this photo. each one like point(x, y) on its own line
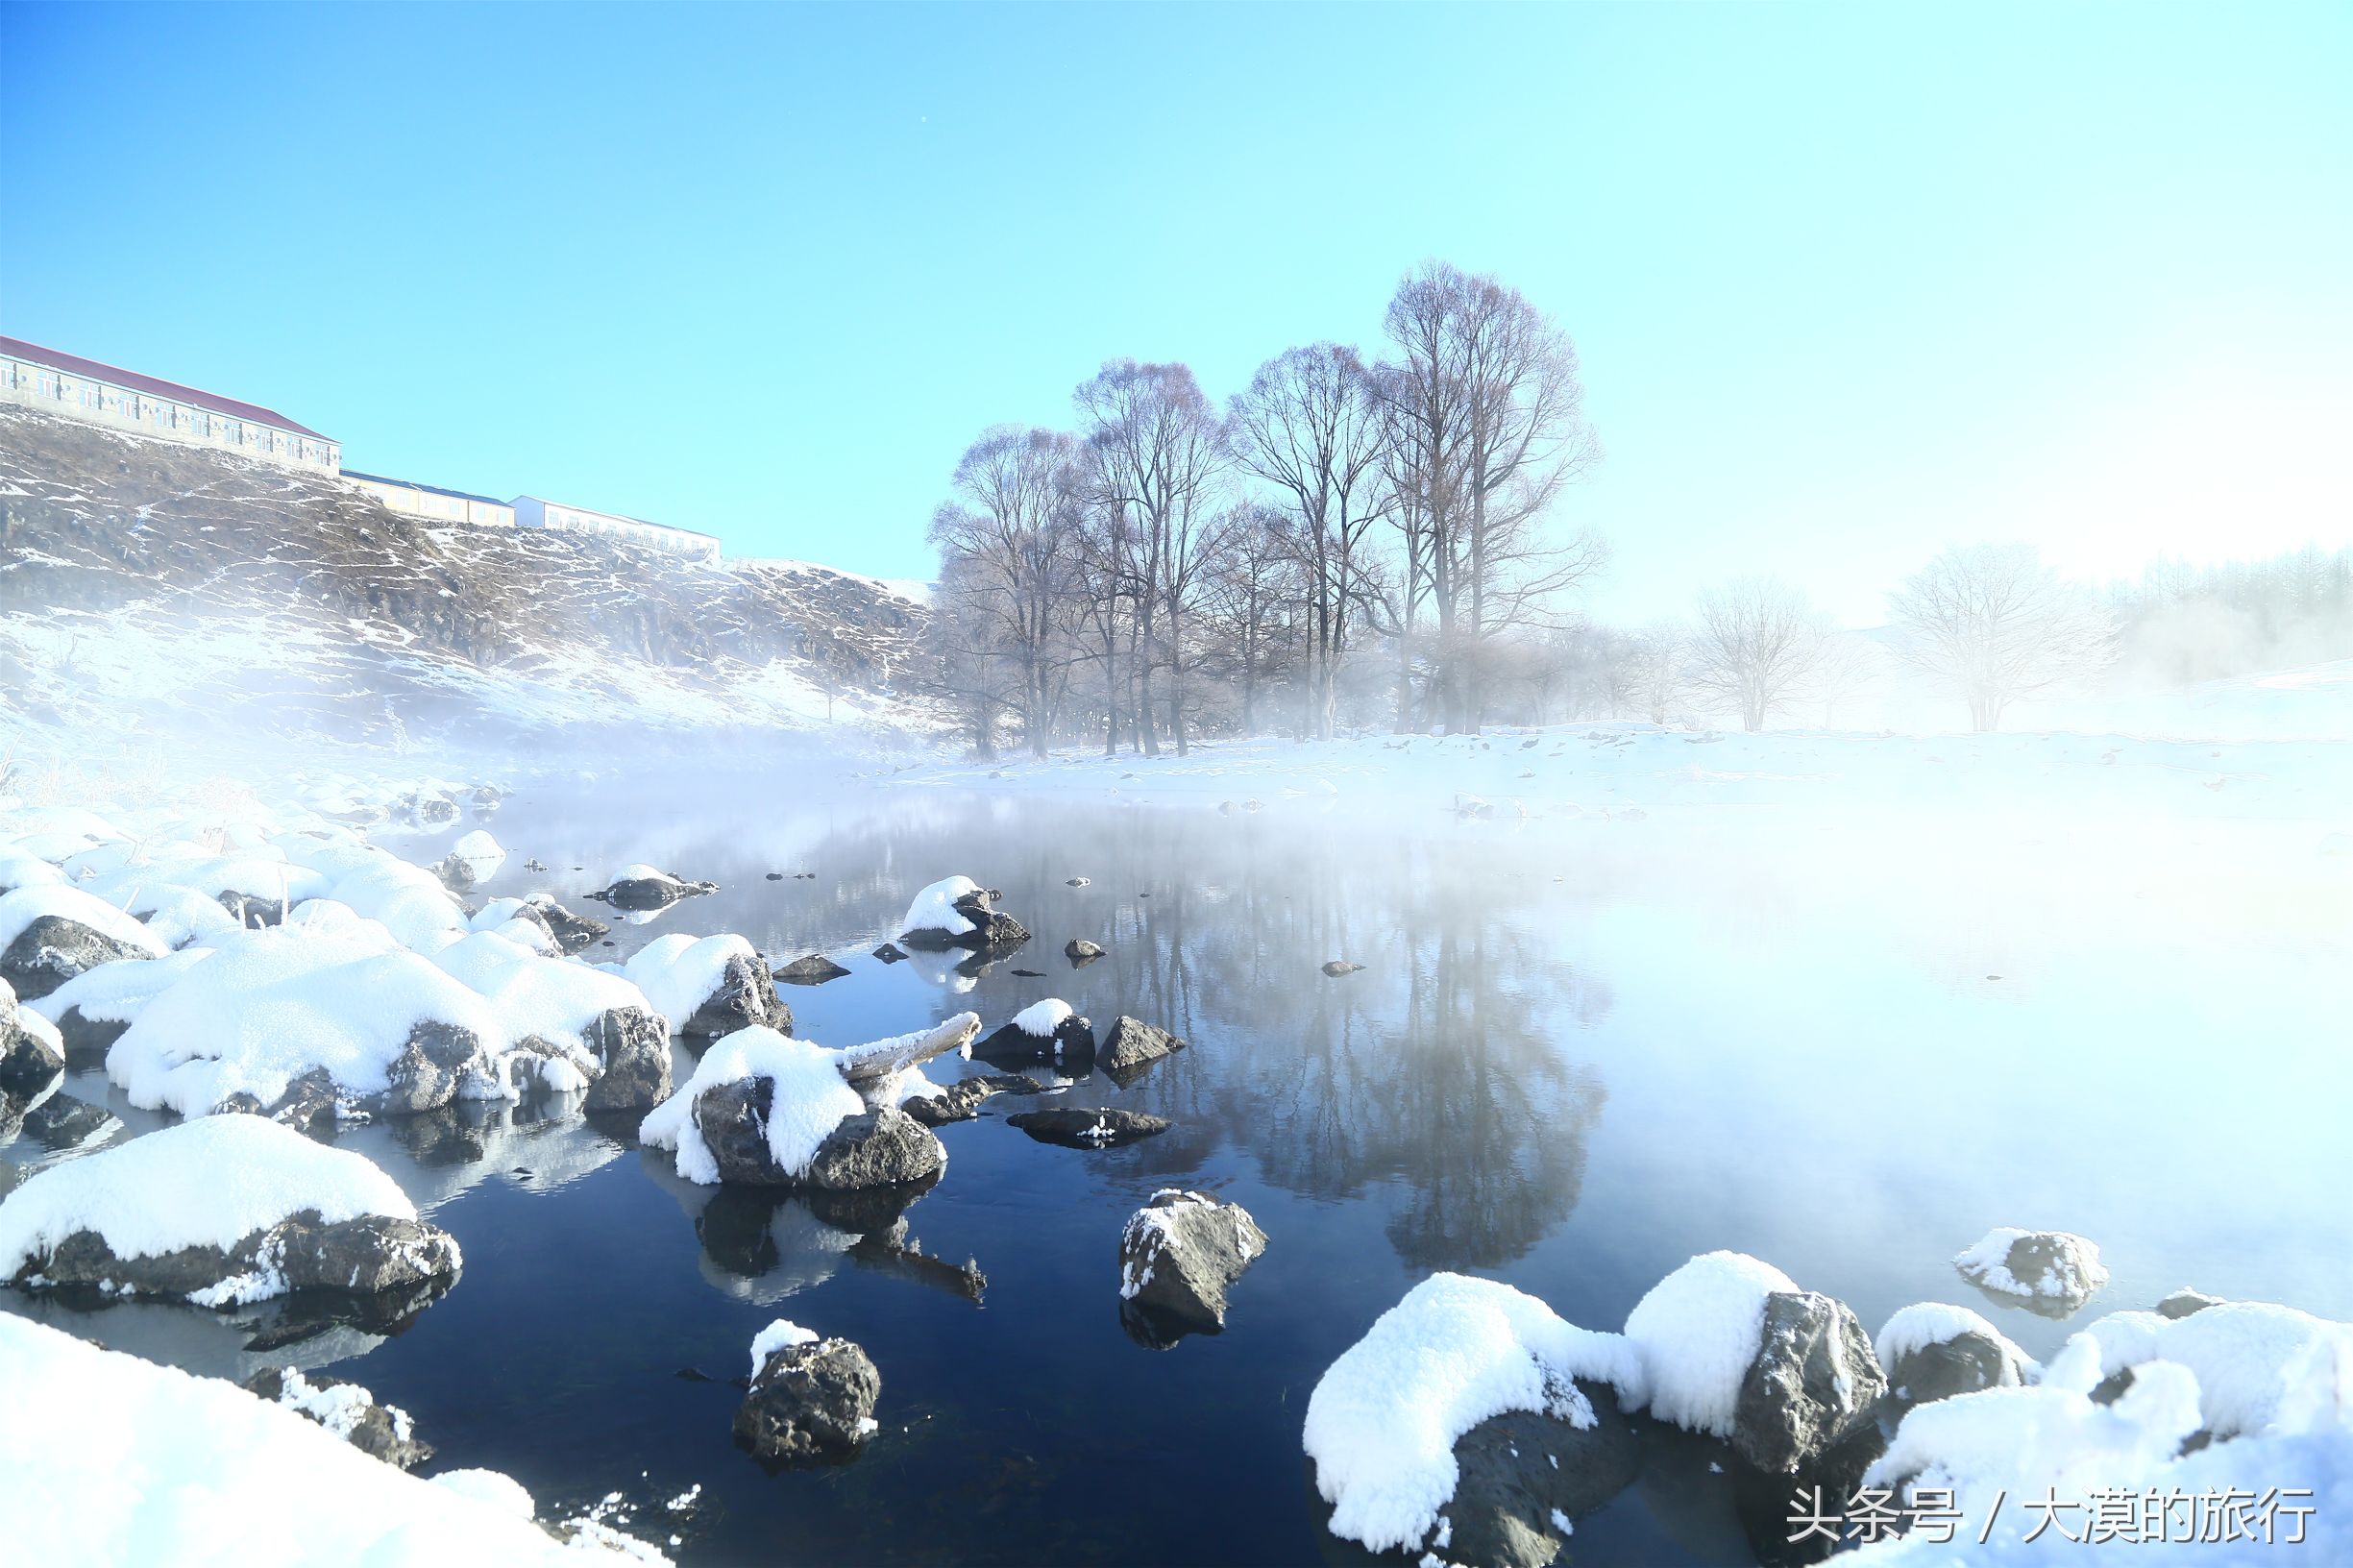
point(74, 365)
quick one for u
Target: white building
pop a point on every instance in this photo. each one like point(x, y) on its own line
point(538, 512)
point(431, 501)
point(32, 376)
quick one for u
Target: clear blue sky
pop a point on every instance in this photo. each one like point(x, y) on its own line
point(1849, 281)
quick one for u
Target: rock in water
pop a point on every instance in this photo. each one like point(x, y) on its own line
point(381, 1431)
point(877, 1148)
point(1523, 1476)
point(1339, 967)
point(633, 1047)
point(1079, 950)
point(1076, 1129)
point(28, 1058)
point(52, 950)
point(571, 932)
point(813, 971)
point(1814, 1383)
point(888, 952)
point(746, 996)
point(960, 1101)
point(810, 1403)
point(2049, 1272)
point(1181, 1251)
point(1132, 1042)
point(643, 888)
point(1045, 1031)
point(933, 917)
point(2187, 1303)
point(1963, 1365)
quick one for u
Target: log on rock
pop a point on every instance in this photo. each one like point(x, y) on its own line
point(871, 1064)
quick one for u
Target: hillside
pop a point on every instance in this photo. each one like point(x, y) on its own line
point(147, 586)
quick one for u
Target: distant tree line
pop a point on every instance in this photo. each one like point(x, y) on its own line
point(1358, 541)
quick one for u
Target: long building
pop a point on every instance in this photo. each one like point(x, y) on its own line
point(64, 383)
point(431, 501)
point(538, 512)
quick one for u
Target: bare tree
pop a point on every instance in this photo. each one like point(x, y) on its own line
point(1995, 624)
point(1255, 604)
point(1159, 452)
point(1654, 670)
point(1849, 666)
point(1014, 530)
point(965, 662)
point(1310, 426)
point(1757, 642)
point(1485, 411)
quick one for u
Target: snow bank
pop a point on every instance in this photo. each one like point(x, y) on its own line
point(1988, 1264)
point(409, 901)
point(1040, 1019)
point(2257, 1366)
point(27, 904)
point(774, 1337)
point(678, 973)
point(1928, 1323)
point(811, 1098)
point(535, 997)
point(118, 992)
point(18, 869)
point(1384, 1420)
point(1697, 1331)
point(134, 1464)
point(207, 1183)
point(934, 909)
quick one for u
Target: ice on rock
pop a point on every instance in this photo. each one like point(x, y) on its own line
point(811, 1098)
point(137, 1463)
point(774, 1337)
point(1697, 1331)
point(205, 1182)
point(1383, 1422)
point(934, 909)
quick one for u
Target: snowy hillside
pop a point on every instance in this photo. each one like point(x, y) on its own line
point(144, 584)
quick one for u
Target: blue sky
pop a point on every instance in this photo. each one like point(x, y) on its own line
point(1849, 281)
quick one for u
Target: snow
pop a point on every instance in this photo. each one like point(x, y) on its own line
point(134, 1464)
point(1988, 1264)
point(42, 900)
point(2257, 1366)
point(1928, 1323)
point(340, 1406)
point(409, 901)
point(775, 1338)
point(176, 916)
point(678, 973)
point(1040, 1019)
point(207, 1183)
point(480, 854)
point(535, 997)
point(489, 1487)
point(811, 1098)
point(118, 992)
point(18, 869)
point(934, 909)
point(1697, 1331)
point(1384, 1419)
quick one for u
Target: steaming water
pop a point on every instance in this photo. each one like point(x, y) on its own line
point(1571, 1062)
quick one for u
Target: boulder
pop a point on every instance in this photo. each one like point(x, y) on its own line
point(1069, 1045)
point(571, 932)
point(1079, 950)
point(28, 1061)
point(875, 1149)
point(1181, 1251)
point(52, 950)
point(643, 888)
point(633, 1046)
point(1813, 1384)
point(992, 931)
point(307, 1105)
point(813, 971)
point(1132, 1042)
point(810, 1404)
point(381, 1431)
point(746, 996)
point(2050, 1273)
point(62, 1122)
point(2187, 1303)
point(432, 1064)
point(1524, 1476)
point(1339, 967)
point(1963, 1365)
point(1077, 1129)
point(372, 1254)
point(960, 1101)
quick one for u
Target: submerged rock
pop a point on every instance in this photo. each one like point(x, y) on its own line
point(1814, 1383)
point(1078, 1129)
point(813, 971)
point(1179, 1252)
point(811, 1400)
point(1132, 1042)
point(381, 1431)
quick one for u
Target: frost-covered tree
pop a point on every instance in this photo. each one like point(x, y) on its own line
point(1757, 642)
point(1994, 624)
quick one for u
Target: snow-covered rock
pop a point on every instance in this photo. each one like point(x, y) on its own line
point(1933, 1351)
point(474, 859)
point(135, 1464)
point(708, 987)
point(31, 1055)
point(644, 888)
point(2258, 1367)
point(573, 933)
point(1076, 1128)
point(2049, 1272)
point(764, 1110)
point(349, 1411)
point(1698, 1331)
point(1046, 1031)
point(1813, 1384)
point(1384, 1419)
point(811, 1400)
point(50, 932)
point(958, 912)
point(1178, 1254)
point(220, 1211)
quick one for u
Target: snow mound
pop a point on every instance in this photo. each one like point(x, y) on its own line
point(811, 1098)
point(118, 992)
point(39, 901)
point(934, 909)
point(678, 973)
point(2257, 1366)
point(137, 1463)
point(1040, 1019)
point(1917, 1326)
point(480, 854)
point(774, 1337)
point(1697, 1331)
point(207, 1183)
point(1384, 1420)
